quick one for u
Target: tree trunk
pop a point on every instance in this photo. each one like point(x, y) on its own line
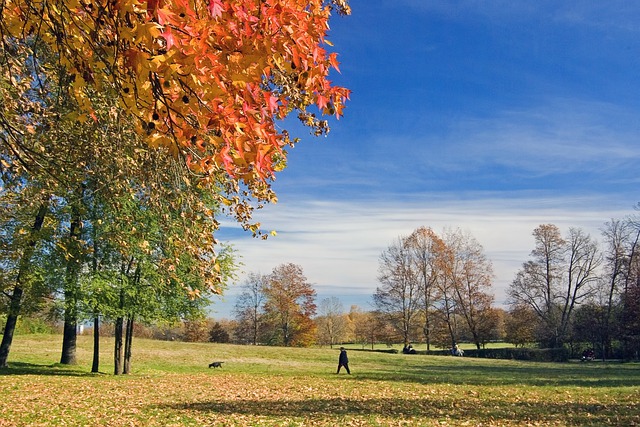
point(255, 325)
point(117, 354)
point(10, 326)
point(16, 296)
point(476, 339)
point(127, 346)
point(69, 338)
point(426, 330)
point(95, 367)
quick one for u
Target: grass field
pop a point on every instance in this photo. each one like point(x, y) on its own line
point(266, 386)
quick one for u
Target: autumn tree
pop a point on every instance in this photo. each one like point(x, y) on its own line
point(561, 275)
point(471, 275)
point(521, 325)
point(196, 330)
point(331, 321)
point(398, 297)
point(289, 306)
point(492, 325)
point(205, 80)
point(427, 251)
point(445, 305)
point(366, 326)
point(205, 83)
point(71, 162)
point(30, 101)
point(424, 275)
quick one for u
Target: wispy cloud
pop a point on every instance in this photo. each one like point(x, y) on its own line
point(567, 142)
point(491, 116)
point(562, 136)
point(338, 243)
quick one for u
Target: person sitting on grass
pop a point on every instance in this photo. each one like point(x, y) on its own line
point(408, 349)
point(457, 351)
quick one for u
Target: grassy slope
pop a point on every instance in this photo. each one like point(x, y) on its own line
point(171, 385)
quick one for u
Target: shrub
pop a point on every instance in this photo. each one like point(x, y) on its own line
point(532, 354)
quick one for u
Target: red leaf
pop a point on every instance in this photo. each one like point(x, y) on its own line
point(168, 37)
point(322, 101)
point(272, 102)
point(216, 8)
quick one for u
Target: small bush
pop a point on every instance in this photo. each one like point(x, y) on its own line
point(33, 325)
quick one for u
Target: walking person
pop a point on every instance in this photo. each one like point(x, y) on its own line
point(343, 360)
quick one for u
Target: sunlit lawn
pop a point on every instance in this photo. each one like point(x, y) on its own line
point(172, 385)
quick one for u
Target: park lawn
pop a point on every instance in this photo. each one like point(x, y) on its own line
point(171, 385)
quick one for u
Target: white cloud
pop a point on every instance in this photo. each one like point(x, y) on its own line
point(337, 243)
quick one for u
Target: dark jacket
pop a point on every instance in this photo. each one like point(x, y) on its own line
point(343, 357)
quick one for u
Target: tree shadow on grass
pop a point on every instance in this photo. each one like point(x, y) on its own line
point(460, 408)
point(534, 375)
point(21, 368)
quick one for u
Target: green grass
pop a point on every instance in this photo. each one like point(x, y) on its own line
point(268, 386)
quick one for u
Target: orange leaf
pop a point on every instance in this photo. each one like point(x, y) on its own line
point(333, 59)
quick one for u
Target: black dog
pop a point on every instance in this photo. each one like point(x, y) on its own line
point(215, 364)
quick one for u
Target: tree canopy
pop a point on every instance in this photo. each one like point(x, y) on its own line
point(205, 80)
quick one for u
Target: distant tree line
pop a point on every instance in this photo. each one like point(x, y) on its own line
point(436, 290)
point(573, 292)
point(117, 162)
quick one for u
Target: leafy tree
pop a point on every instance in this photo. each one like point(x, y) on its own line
point(217, 333)
point(206, 80)
point(491, 327)
point(521, 325)
point(74, 252)
point(588, 326)
point(209, 108)
point(365, 325)
point(31, 103)
point(18, 245)
point(290, 306)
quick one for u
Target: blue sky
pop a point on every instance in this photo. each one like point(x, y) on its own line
point(489, 116)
